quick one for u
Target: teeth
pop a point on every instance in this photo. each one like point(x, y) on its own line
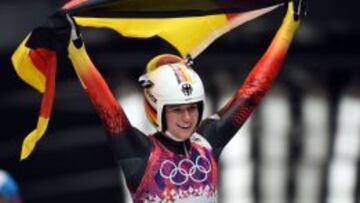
point(184, 126)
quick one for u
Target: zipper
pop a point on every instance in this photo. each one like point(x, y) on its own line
point(186, 150)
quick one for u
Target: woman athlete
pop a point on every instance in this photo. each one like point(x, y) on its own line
point(178, 163)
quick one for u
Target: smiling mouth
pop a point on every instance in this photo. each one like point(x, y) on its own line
point(185, 126)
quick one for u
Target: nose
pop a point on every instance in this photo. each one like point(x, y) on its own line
point(186, 115)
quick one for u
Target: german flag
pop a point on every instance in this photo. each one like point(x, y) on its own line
point(190, 26)
point(161, 8)
point(37, 67)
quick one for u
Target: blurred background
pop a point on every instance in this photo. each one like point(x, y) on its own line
point(302, 145)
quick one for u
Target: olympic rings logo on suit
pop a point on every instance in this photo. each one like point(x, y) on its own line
point(184, 173)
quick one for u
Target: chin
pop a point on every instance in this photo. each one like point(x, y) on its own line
point(185, 135)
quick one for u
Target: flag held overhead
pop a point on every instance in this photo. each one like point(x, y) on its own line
point(162, 8)
point(190, 26)
point(189, 35)
point(37, 67)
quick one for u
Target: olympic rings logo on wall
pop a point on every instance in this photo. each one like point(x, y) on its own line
point(186, 169)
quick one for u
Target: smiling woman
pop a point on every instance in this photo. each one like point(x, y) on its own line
point(188, 35)
point(170, 82)
point(181, 120)
point(177, 163)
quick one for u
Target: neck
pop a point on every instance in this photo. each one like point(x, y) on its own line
point(171, 136)
point(179, 147)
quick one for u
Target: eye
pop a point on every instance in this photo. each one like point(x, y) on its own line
point(193, 107)
point(176, 109)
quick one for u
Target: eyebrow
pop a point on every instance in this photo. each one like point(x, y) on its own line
point(179, 105)
point(174, 106)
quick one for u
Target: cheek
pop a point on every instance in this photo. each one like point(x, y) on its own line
point(170, 119)
point(196, 114)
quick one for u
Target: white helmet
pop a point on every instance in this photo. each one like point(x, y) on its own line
point(168, 80)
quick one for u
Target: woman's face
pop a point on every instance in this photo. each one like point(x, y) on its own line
point(181, 119)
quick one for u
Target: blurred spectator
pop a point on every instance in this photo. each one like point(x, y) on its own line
point(9, 191)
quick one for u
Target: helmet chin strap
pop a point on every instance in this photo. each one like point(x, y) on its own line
point(171, 136)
